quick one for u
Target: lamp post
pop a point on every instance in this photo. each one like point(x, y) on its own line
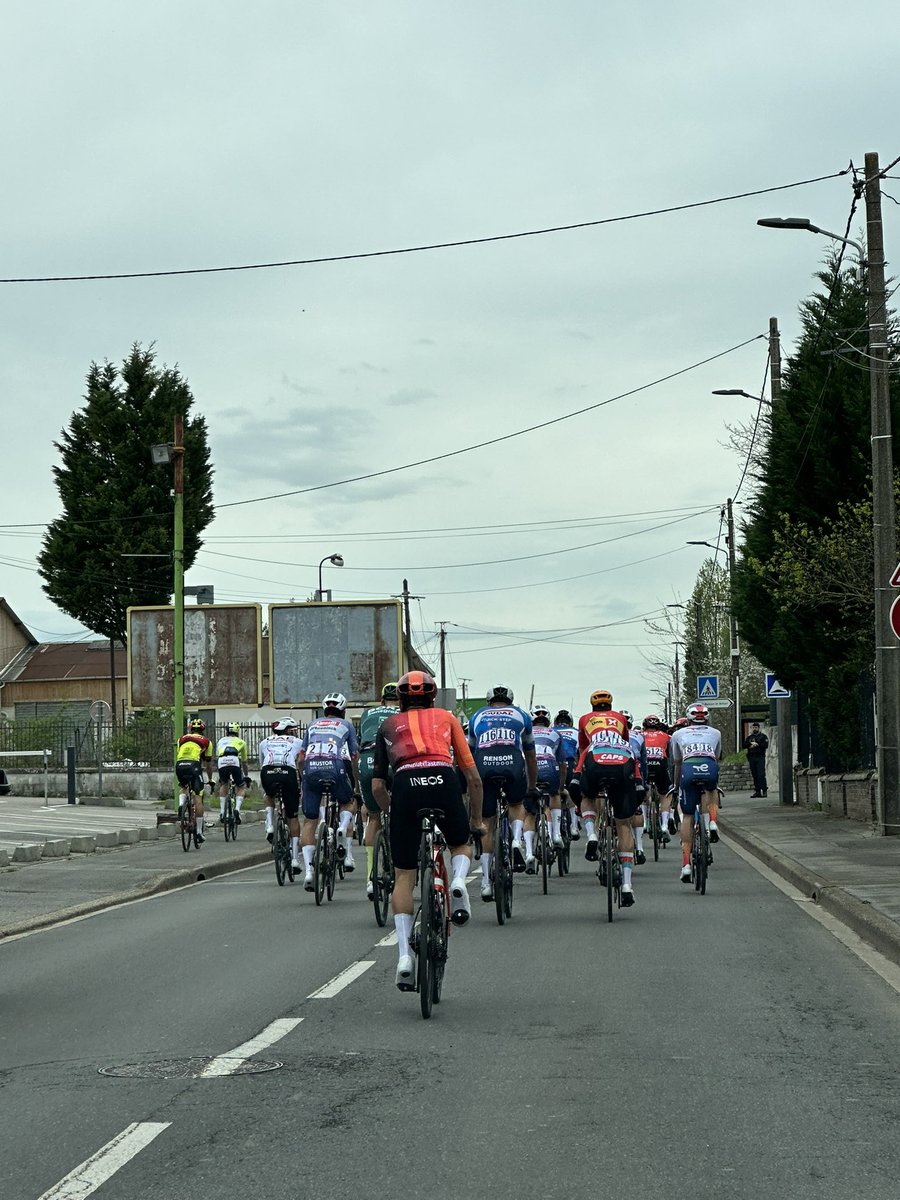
point(741, 392)
point(884, 538)
point(336, 560)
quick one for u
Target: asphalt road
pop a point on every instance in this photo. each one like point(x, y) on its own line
point(719, 1046)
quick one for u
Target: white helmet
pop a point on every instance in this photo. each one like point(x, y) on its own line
point(540, 712)
point(698, 714)
point(284, 726)
point(335, 700)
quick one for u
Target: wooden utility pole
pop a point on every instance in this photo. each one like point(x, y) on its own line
point(782, 707)
point(733, 629)
point(887, 649)
point(442, 638)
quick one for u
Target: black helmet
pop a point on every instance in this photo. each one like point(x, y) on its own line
point(563, 718)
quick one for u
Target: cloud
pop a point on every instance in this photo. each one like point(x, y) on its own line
point(409, 396)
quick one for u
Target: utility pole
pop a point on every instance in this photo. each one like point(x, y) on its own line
point(442, 637)
point(887, 649)
point(782, 707)
point(463, 683)
point(178, 582)
point(733, 628)
point(405, 596)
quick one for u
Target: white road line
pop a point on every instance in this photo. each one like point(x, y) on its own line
point(227, 1064)
point(883, 967)
point(341, 981)
point(390, 940)
point(95, 1170)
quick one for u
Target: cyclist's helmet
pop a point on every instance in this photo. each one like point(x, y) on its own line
point(416, 689)
point(500, 694)
point(698, 714)
point(601, 699)
point(336, 701)
point(389, 692)
point(285, 726)
point(540, 712)
point(651, 721)
point(681, 722)
point(233, 728)
point(627, 715)
point(197, 726)
point(563, 718)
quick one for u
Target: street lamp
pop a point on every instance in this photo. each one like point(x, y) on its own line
point(887, 653)
point(336, 560)
point(740, 392)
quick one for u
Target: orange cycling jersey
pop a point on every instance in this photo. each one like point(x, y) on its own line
point(599, 722)
point(418, 737)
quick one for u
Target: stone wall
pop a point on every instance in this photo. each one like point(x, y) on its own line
point(851, 795)
point(129, 785)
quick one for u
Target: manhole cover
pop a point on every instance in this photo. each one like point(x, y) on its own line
point(184, 1068)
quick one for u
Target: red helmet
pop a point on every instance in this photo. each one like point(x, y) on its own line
point(416, 689)
point(681, 722)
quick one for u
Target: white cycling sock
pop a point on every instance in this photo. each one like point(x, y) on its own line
point(590, 828)
point(459, 865)
point(270, 819)
point(181, 800)
point(529, 843)
point(518, 828)
point(199, 824)
point(486, 860)
point(295, 847)
point(403, 925)
point(638, 832)
point(238, 803)
point(346, 818)
point(555, 821)
point(706, 821)
point(222, 807)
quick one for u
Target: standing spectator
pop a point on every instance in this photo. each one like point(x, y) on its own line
point(756, 744)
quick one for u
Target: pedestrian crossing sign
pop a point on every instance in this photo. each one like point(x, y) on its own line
point(707, 687)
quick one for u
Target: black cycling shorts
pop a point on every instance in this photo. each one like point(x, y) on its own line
point(505, 769)
point(273, 777)
point(619, 782)
point(231, 772)
point(424, 787)
point(658, 773)
point(189, 775)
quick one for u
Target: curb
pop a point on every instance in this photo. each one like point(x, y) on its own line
point(878, 930)
point(164, 883)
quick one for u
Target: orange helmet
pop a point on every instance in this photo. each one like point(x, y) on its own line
point(416, 689)
point(601, 699)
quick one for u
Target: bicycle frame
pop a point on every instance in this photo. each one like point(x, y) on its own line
point(431, 934)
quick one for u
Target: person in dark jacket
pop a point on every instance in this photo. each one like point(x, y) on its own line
point(756, 744)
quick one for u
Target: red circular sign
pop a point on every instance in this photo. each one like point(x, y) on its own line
point(895, 616)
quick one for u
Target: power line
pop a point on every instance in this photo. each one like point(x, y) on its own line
point(320, 487)
point(475, 241)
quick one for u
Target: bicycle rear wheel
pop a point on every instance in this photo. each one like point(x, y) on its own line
point(426, 923)
point(655, 826)
point(187, 824)
point(331, 864)
point(440, 942)
point(703, 859)
point(508, 875)
point(544, 844)
point(497, 870)
point(381, 878)
point(279, 849)
point(319, 865)
point(608, 870)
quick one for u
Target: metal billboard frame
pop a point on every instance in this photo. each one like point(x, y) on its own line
point(315, 701)
point(206, 608)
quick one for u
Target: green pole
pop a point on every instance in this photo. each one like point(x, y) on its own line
point(178, 584)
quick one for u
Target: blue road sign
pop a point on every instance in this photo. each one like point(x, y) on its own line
point(707, 687)
point(774, 690)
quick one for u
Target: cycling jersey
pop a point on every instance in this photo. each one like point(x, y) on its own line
point(696, 741)
point(193, 747)
point(551, 755)
point(280, 750)
point(569, 737)
point(231, 752)
point(420, 737)
point(371, 720)
point(497, 729)
point(329, 738)
point(598, 725)
point(656, 742)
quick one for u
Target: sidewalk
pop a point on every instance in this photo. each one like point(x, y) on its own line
point(843, 865)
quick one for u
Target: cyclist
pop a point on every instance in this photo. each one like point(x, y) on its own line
point(278, 771)
point(697, 750)
point(607, 761)
point(565, 727)
point(502, 740)
point(369, 724)
point(329, 755)
point(638, 821)
point(420, 748)
point(231, 760)
point(656, 741)
point(551, 770)
point(193, 756)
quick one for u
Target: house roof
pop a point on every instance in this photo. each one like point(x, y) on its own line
point(19, 624)
point(68, 660)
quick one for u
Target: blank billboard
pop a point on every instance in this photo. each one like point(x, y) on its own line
point(353, 646)
point(222, 656)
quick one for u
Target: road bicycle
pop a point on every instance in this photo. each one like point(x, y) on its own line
point(229, 820)
point(502, 864)
point(655, 821)
point(327, 865)
point(609, 870)
point(382, 876)
point(281, 841)
point(563, 852)
point(546, 851)
point(188, 823)
point(430, 936)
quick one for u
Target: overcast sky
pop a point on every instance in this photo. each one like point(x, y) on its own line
point(210, 134)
